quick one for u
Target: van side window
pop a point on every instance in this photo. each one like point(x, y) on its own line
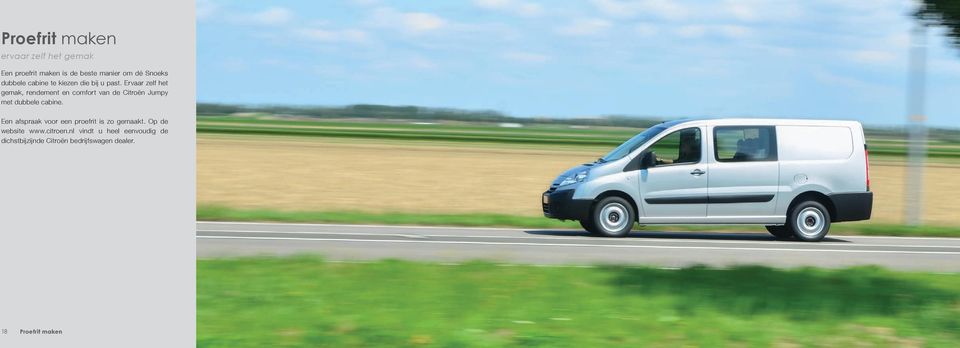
point(680, 147)
point(745, 143)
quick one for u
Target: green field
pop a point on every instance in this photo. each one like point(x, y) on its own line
point(408, 131)
point(881, 144)
point(306, 302)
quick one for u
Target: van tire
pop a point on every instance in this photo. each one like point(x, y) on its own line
point(589, 226)
point(809, 221)
point(780, 231)
point(613, 217)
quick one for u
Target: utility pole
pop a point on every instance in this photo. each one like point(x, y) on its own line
point(917, 142)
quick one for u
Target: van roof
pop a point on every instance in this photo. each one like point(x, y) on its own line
point(761, 121)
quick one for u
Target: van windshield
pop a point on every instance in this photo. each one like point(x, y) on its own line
point(634, 143)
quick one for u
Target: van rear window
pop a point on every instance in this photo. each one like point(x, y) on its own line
point(745, 143)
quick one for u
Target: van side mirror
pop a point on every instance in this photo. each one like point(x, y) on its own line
point(647, 160)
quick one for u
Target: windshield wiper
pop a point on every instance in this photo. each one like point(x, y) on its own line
point(600, 160)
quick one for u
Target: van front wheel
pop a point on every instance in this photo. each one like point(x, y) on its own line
point(589, 226)
point(779, 231)
point(809, 221)
point(613, 217)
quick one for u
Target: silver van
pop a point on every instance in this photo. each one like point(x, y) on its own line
point(796, 177)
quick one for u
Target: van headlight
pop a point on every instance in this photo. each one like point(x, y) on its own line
point(573, 179)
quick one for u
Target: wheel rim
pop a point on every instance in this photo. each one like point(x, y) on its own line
point(810, 222)
point(614, 217)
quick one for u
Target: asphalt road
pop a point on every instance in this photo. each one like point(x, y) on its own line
point(549, 247)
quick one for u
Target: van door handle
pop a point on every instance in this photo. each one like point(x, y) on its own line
point(697, 172)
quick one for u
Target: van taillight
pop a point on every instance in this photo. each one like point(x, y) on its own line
point(866, 159)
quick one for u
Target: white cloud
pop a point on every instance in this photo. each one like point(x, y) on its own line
point(742, 10)
point(407, 22)
point(419, 21)
point(421, 63)
point(525, 57)
point(206, 9)
point(334, 36)
point(585, 27)
point(414, 62)
point(872, 57)
point(365, 2)
point(517, 7)
point(666, 9)
point(867, 6)
point(898, 40)
point(945, 66)
point(279, 63)
point(733, 31)
point(782, 51)
point(696, 31)
point(691, 31)
point(710, 67)
point(645, 30)
point(234, 64)
point(759, 10)
point(270, 16)
point(829, 78)
point(713, 11)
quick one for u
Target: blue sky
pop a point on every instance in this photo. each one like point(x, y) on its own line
point(811, 58)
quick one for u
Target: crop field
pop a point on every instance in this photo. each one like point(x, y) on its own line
point(882, 146)
point(413, 175)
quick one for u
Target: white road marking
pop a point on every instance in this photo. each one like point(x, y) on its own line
point(655, 240)
point(896, 237)
point(582, 245)
point(506, 264)
point(373, 226)
point(402, 235)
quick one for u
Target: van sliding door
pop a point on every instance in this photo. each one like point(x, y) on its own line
point(743, 174)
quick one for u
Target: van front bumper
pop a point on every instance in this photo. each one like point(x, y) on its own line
point(852, 206)
point(561, 205)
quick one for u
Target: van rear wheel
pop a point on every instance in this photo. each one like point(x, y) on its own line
point(809, 221)
point(613, 217)
point(779, 231)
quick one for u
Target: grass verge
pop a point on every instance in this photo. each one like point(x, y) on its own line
point(306, 302)
point(220, 213)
